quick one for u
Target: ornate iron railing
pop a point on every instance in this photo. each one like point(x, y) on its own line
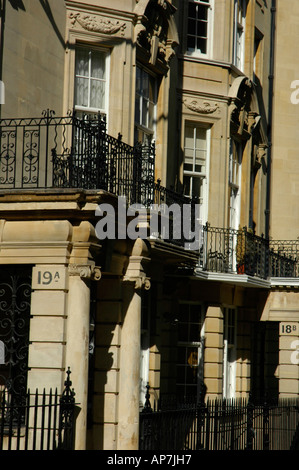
point(43, 421)
point(226, 250)
point(77, 153)
point(235, 424)
point(72, 152)
point(15, 297)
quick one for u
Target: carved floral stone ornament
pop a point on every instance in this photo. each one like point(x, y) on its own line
point(204, 108)
point(96, 24)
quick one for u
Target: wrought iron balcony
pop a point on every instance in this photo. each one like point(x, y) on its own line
point(71, 152)
point(77, 153)
point(225, 250)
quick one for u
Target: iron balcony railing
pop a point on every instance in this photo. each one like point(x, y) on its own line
point(225, 250)
point(76, 152)
point(72, 152)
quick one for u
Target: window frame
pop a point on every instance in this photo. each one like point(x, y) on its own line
point(234, 182)
point(209, 38)
point(91, 109)
point(141, 98)
point(239, 26)
point(203, 176)
point(192, 344)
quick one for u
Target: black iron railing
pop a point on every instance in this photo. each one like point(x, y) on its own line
point(235, 424)
point(72, 152)
point(226, 250)
point(40, 421)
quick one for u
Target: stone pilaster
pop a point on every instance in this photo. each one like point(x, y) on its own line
point(77, 340)
point(135, 279)
point(213, 355)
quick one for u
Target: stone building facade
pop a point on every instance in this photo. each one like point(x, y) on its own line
point(204, 81)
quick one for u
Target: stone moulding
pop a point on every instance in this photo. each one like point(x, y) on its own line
point(96, 24)
point(204, 108)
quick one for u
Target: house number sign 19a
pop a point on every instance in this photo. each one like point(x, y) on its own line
point(49, 277)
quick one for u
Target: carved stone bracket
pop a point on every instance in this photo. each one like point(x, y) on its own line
point(97, 24)
point(204, 108)
point(86, 271)
point(155, 29)
point(141, 282)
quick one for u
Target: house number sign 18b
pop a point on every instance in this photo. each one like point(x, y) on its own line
point(289, 328)
point(49, 277)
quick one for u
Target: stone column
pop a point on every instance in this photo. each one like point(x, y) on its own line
point(128, 404)
point(213, 355)
point(77, 340)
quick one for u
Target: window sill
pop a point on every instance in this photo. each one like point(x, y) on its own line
point(207, 60)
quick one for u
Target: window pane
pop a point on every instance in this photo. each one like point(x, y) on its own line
point(191, 43)
point(196, 187)
point(189, 156)
point(187, 183)
point(183, 332)
point(138, 80)
point(145, 85)
point(97, 94)
point(189, 136)
point(192, 10)
point(202, 12)
point(98, 66)
point(81, 92)
point(201, 142)
point(144, 121)
point(202, 29)
point(202, 45)
point(137, 110)
point(191, 26)
point(82, 58)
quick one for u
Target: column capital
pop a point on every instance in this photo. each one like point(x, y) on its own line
point(140, 282)
point(85, 271)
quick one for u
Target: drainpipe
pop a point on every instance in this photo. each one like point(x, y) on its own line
point(270, 117)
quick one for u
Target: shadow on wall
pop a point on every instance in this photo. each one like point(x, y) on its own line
point(103, 365)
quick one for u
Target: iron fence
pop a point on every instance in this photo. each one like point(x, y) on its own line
point(226, 250)
point(37, 421)
point(236, 424)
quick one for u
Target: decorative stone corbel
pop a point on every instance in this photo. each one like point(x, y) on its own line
point(86, 271)
point(135, 272)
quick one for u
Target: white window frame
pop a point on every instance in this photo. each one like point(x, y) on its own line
point(91, 109)
point(194, 344)
point(209, 40)
point(203, 176)
point(144, 101)
point(235, 171)
point(229, 351)
point(239, 33)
